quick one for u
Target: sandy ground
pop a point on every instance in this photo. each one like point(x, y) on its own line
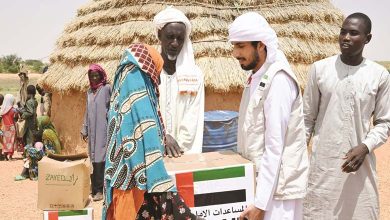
point(18, 200)
point(383, 165)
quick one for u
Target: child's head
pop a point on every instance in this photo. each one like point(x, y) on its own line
point(37, 136)
point(31, 91)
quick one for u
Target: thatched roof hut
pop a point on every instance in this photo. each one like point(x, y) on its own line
point(102, 29)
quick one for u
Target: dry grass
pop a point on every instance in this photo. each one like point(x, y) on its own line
point(385, 64)
point(9, 82)
point(307, 32)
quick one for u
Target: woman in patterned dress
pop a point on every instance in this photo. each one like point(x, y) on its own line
point(137, 185)
point(8, 138)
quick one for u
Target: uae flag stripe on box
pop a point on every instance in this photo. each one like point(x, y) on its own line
point(210, 187)
point(72, 214)
point(220, 198)
point(216, 174)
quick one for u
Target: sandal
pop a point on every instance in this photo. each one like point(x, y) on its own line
point(20, 177)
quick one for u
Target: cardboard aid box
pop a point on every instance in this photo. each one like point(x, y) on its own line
point(63, 185)
point(84, 214)
point(215, 185)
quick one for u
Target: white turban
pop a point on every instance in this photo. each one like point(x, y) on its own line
point(252, 26)
point(169, 15)
point(186, 69)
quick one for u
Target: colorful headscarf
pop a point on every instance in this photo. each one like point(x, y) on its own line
point(8, 103)
point(135, 143)
point(153, 70)
point(147, 58)
point(44, 122)
point(103, 75)
point(49, 133)
point(158, 61)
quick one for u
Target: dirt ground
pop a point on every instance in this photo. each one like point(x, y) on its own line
point(18, 200)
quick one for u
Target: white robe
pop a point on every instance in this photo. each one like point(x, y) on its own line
point(339, 102)
point(183, 114)
point(277, 108)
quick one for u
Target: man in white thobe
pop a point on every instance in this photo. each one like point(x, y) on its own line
point(271, 131)
point(344, 92)
point(182, 88)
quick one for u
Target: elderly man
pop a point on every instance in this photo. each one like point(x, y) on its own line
point(182, 88)
point(271, 130)
point(342, 95)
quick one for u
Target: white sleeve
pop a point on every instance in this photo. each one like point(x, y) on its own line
point(190, 128)
point(277, 108)
point(311, 102)
point(381, 115)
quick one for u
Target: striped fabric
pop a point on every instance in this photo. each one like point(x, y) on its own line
point(135, 143)
point(85, 214)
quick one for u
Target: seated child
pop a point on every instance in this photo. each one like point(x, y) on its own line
point(33, 155)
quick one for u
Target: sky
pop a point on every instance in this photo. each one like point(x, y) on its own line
point(30, 28)
point(378, 11)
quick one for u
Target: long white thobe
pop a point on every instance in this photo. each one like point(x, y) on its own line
point(339, 102)
point(277, 108)
point(183, 114)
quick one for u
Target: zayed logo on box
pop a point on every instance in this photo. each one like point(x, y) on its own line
point(62, 206)
point(60, 179)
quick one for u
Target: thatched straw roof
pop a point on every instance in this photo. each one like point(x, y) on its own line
point(307, 32)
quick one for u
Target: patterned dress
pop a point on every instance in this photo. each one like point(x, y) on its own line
point(49, 134)
point(164, 206)
point(135, 139)
point(9, 132)
point(34, 156)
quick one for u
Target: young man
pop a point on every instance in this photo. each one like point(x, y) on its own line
point(342, 94)
point(29, 113)
point(181, 88)
point(271, 131)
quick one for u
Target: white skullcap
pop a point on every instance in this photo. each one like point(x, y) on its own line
point(252, 26)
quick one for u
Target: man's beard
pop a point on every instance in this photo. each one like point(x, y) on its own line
point(171, 58)
point(252, 65)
